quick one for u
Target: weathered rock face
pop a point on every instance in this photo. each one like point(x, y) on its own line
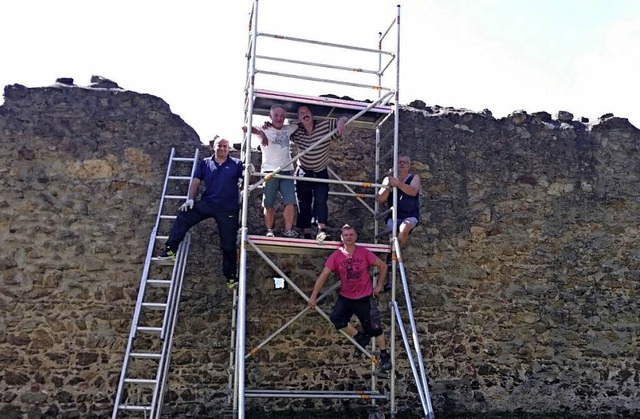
point(523, 273)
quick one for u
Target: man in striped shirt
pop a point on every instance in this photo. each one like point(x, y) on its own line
point(312, 196)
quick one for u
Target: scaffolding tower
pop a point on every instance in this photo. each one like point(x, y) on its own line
point(147, 357)
point(366, 114)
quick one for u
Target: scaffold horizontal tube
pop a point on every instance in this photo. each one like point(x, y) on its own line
point(312, 179)
point(328, 44)
point(308, 394)
point(314, 64)
point(344, 83)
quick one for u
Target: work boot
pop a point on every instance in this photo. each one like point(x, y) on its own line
point(167, 254)
point(232, 282)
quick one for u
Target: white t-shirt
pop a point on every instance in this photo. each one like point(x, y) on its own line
point(277, 153)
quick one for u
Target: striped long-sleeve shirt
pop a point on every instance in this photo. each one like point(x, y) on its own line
point(318, 158)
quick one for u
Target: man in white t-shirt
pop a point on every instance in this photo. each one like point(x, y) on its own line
point(275, 154)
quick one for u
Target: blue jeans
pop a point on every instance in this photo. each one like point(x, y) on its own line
point(312, 199)
point(227, 221)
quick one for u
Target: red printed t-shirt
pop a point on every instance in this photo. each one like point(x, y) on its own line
point(353, 271)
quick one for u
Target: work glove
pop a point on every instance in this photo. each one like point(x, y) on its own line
point(186, 206)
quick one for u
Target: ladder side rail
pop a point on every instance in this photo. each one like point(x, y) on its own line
point(250, 52)
point(426, 406)
point(232, 351)
point(412, 321)
point(171, 292)
point(241, 291)
point(141, 292)
point(376, 176)
point(167, 344)
point(396, 135)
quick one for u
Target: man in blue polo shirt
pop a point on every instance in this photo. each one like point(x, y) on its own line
point(221, 174)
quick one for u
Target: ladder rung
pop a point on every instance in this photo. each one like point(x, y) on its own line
point(149, 329)
point(134, 407)
point(155, 306)
point(176, 197)
point(144, 355)
point(180, 177)
point(165, 262)
point(168, 217)
point(147, 381)
point(183, 159)
point(159, 282)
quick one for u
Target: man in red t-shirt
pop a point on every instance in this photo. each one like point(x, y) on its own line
point(351, 265)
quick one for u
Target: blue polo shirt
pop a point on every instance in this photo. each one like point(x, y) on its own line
point(221, 181)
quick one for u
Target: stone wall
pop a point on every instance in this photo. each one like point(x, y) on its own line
point(523, 273)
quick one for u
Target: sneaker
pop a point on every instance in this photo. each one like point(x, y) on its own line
point(322, 235)
point(168, 254)
point(270, 233)
point(385, 361)
point(232, 283)
point(292, 234)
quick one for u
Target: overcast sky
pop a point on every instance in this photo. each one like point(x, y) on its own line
point(581, 56)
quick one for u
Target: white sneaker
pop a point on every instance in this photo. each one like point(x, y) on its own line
point(322, 235)
point(270, 233)
point(292, 234)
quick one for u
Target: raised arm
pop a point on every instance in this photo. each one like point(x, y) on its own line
point(258, 132)
point(411, 189)
point(383, 192)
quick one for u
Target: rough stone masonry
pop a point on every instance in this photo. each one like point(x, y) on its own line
point(524, 271)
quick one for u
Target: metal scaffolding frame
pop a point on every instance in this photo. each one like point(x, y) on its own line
point(370, 114)
point(145, 369)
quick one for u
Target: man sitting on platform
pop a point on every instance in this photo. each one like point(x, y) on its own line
point(408, 211)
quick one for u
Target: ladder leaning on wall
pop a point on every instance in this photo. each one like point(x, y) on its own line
point(146, 360)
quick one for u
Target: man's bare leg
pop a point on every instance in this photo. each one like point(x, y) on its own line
point(289, 215)
point(269, 217)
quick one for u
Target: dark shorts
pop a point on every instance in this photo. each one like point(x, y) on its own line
point(365, 309)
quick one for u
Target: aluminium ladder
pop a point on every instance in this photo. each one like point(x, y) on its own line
point(146, 360)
